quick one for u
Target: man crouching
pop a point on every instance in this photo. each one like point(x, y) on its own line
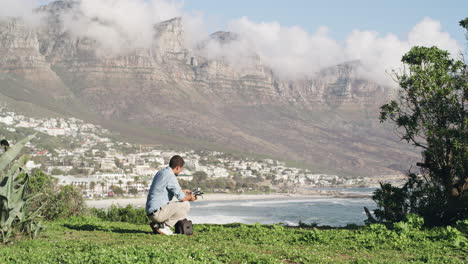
point(163, 213)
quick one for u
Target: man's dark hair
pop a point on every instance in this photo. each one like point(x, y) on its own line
point(176, 161)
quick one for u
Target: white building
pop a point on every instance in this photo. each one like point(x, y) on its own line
point(246, 173)
point(75, 181)
point(30, 165)
point(108, 164)
point(109, 176)
point(143, 170)
point(8, 120)
point(61, 168)
point(185, 177)
point(219, 173)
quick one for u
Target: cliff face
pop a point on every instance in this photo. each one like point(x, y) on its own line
point(328, 121)
point(20, 58)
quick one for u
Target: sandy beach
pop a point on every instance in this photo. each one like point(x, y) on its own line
point(140, 201)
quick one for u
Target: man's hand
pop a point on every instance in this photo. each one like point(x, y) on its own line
point(189, 196)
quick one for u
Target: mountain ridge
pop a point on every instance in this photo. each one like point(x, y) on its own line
point(329, 121)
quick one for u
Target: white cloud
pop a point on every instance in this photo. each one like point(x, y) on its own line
point(382, 54)
point(294, 53)
point(291, 52)
point(429, 32)
point(119, 26)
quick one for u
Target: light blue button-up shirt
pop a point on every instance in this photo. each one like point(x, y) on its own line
point(163, 188)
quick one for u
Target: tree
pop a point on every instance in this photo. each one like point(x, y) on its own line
point(92, 185)
point(117, 190)
point(464, 24)
point(100, 154)
point(156, 164)
point(78, 171)
point(118, 163)
point(431, 114)
point(145, 185)
point(102, 183)
point(56, 171)
point(199, 176)
point(129, 185)
point(137, 180)
point(133, 191)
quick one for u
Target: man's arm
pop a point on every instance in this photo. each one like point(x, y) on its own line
point(174, 187)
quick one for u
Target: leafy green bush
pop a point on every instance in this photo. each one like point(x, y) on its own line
point(310, 237)
point(40, 182)
point(391, 203)
point(121, 214)
point(453, 236)
point(67, 202)
point(117, 190)
point(411, 224)
point(415, 221)
point(55, 201)
point(462, 225)
point(43, 186)
point(417, 197)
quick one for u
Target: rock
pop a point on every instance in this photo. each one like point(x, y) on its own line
point(172, 87)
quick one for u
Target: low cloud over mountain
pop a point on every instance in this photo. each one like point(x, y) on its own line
point(122, 26)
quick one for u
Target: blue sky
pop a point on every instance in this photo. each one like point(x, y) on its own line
point(296, 44)
point(340, 16)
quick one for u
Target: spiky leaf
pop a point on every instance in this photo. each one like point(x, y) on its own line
point(13, 152)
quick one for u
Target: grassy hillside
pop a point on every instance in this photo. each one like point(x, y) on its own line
point(89, 240)
point(325, 140)
point(17, 96)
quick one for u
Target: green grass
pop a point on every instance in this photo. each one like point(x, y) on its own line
point(90, 240)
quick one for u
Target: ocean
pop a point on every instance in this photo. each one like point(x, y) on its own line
point(319, 210)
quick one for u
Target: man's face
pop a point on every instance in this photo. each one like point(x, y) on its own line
point(177, 170)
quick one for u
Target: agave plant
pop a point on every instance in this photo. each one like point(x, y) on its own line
point(13, 198)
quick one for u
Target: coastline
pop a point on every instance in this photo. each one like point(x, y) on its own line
point(140, 201)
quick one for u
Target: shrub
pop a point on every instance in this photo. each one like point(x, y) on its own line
point(43, 186)
point(416, 197)
point(67, 202)
point(391, 204)
point(117, 190)
point(122, 214)
point(55, 201)
point(453, 236)
point(414, 221)
point(462, 225)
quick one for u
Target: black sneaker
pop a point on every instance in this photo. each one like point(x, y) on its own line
point(154, 227)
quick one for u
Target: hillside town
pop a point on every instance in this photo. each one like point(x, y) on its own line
point(89, 157)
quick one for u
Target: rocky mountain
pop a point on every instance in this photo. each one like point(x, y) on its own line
point(328, 122)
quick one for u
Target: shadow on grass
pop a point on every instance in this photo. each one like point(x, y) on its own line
point(90, 227)
point(301, 226)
